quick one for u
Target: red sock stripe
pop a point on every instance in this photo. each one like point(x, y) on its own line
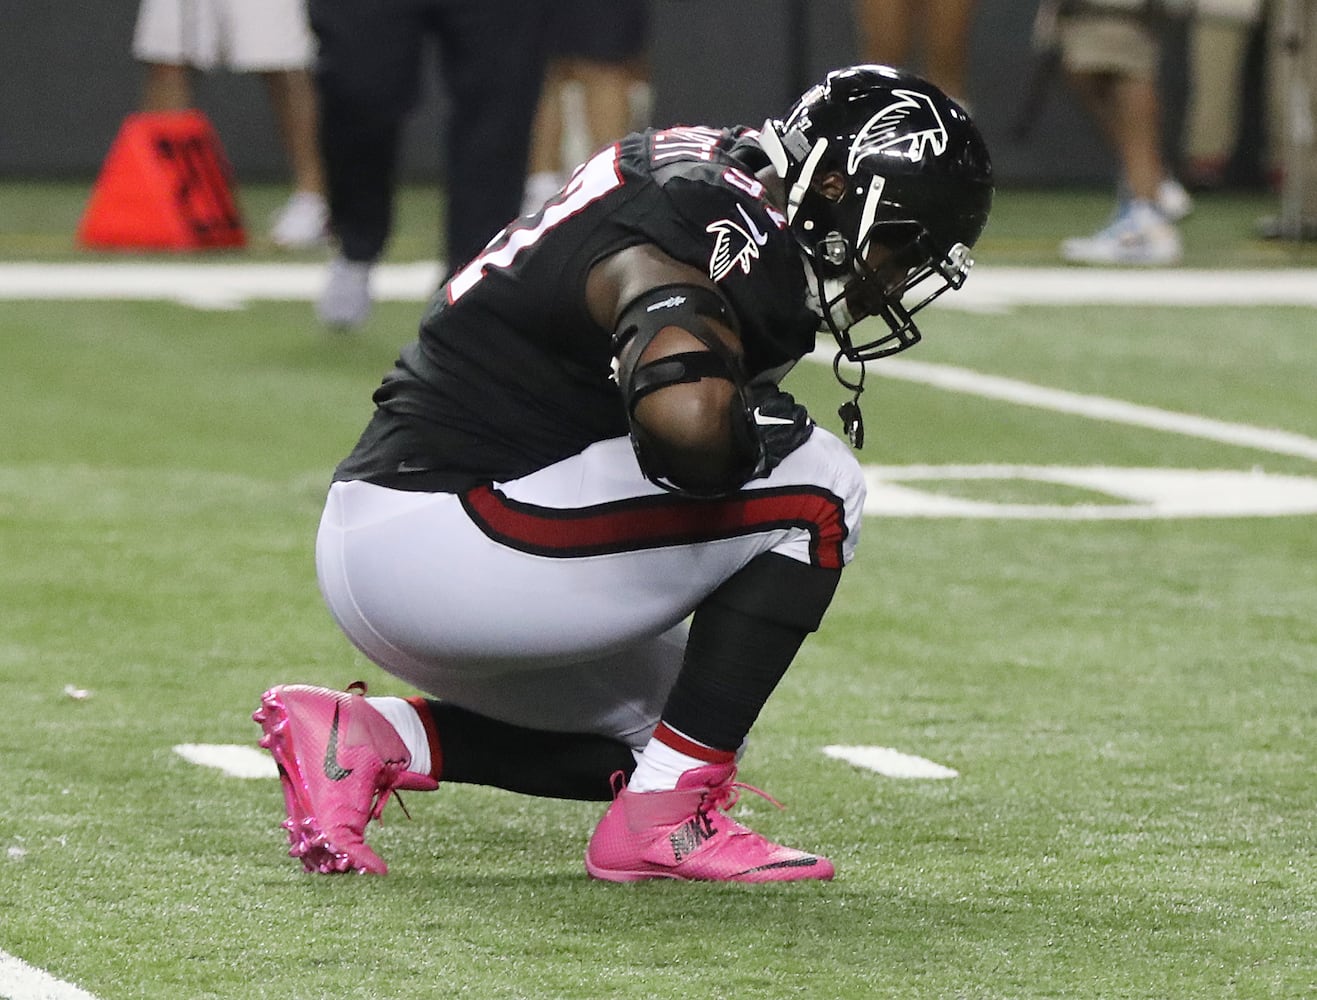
point(676, 741)
point(659, 521)
point(431, 736)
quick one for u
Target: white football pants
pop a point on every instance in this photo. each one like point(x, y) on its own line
point(558, 601)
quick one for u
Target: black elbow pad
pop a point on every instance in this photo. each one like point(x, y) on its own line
point(686, 307)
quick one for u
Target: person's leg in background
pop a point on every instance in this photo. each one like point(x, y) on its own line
point(545, 173)
point(892, 30)
point(272, 39)
point(167, 87)
point(366, 77)
point(171, 39)
point(1128, 109)
point(597, 52)
point(1112, 63)
point(1292, 54)
point(887, 30)
point(491, 56)
point(1216, 57)
point(1309, 201)
point(303, 219)
point(607, 66)
point(947, 26)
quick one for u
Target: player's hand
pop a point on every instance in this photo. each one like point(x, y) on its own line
point(782, 424)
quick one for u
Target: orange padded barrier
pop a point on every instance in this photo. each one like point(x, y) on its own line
point(164, 185)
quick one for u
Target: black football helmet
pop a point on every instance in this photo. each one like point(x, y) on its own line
point(877, 157)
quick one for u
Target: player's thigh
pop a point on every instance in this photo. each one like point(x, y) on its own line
point(422, 577)
point(569, 564)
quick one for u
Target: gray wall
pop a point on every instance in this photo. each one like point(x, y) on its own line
point(69, 79)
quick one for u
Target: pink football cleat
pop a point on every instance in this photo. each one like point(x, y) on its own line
point(339, 760)
point(685, 834)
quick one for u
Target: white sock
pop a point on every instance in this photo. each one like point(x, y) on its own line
point(408, 723)
point(661, 765)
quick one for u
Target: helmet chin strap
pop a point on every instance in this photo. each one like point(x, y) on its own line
point(852, 420)
point(825, 300)
point(817, 292)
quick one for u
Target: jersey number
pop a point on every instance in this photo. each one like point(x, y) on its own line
point(591, 181)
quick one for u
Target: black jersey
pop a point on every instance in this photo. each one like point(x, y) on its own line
point(510, 373)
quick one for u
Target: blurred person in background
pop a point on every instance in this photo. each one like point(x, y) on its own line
point(174, 38)
point(1220, 37)
point(1111, 53)
point(1292, 51)
point(594, 82)
point(893, 31)
point(490, 63)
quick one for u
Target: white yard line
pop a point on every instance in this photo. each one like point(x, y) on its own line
point(1095, 407)
point(20, 981)
point(990, 288)
point(203, 286)
point(1132, 494)
point(998, 288)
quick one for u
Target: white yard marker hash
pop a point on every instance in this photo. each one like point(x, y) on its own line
point(890, 763)
point(20, 981)
point(233, 759)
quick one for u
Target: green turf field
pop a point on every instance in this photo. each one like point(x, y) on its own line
point(1130, 705)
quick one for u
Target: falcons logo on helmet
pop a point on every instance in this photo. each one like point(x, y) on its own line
point(909, 126)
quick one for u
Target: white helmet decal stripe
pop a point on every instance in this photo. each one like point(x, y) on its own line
point(801, 187)
point(771, 143)
point(870, 211)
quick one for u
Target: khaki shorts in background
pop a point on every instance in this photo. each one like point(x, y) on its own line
point(1127, 44)
point(241, 35)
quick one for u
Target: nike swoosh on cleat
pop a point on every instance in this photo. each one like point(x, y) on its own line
point(797, 863)
point(333, 770)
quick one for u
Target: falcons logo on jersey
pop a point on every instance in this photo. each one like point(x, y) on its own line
point(909, 127)
point(734, 245)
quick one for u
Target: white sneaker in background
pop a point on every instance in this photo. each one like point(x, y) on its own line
point(302, 223)
point(344, 302)
point(1139, 235)
point(1173, 201)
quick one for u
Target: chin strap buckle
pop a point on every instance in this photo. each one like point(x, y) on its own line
point(852, 420)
